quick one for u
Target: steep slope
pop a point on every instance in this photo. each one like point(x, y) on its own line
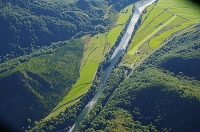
point(32, 89)
point(30, 25)
point(184, 59)
point(158, 96)
point(41, 52)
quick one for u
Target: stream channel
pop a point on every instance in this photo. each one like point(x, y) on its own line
point(139, 7)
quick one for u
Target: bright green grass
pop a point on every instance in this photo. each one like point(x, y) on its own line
point(177, 22)
point(154, 13)
point(185, 11)
point(124, 15)
point(120, 24)
point(95, 48)
point(151, 26)
point(93, 57)
point(183, 8)
point(147, 29)
point(149, 8)
point(114, 33)
point(155, 42)
point(134, 49)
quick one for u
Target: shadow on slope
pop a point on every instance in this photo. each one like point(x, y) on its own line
point(166, 109)
point(188, 67)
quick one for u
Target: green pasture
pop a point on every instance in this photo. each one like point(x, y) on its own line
point(144, 15)
point(95, 48)
point(149, 35)
point(183, 8)
point(119, 25)
point(93, 57)
point(146, 30)
point(114, 33)
point(155, 42)
point(124, 15)
point(167, 17)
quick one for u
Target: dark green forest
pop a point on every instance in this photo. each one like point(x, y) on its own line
point(162, 94)
point(40, 53)
point(30, 91)
point(153, 98)
point(28, 25)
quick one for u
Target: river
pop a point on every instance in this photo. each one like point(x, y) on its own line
point(139, 7)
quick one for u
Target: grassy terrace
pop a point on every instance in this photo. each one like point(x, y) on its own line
point(159, 22)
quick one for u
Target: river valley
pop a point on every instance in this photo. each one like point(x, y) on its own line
point(139, 7)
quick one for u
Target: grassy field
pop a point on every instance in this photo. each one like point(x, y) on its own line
point(92, 57)
point(155, 42)
point(114, 33)
point(159, 22)
point(119, 25)
point(149, 35)
point(124, 15)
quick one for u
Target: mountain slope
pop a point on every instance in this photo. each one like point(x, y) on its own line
point(29, 25)
point(41, 52)
point(157, 96)
point(32, 89)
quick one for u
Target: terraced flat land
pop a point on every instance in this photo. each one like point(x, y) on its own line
point(159, 22)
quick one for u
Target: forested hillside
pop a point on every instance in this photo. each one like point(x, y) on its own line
point(162, 94)
point(32, 89)
point(42, 45)
point(28, 25)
